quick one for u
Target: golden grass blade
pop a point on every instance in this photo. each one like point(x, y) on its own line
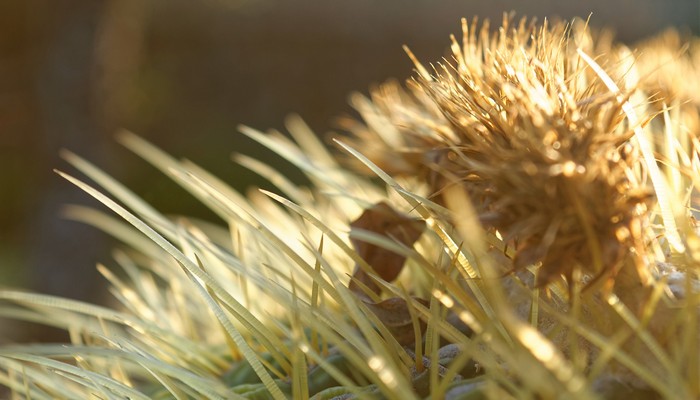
point(243, 346)
point(179, 171)
point(610, 348)
point(168, 384)
point(671, 153)
point(85, 378)
point(292, 154)
point(111, 185)
point(29, 374)
point(73, 306)
point(309, 142)
point(671, 372)
point(382, 358)
point(193, 269)
point(114, 227)
point(127, 351)
point(299, 374)
point(274, 176)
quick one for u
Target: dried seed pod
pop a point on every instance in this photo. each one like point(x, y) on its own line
point(531, 133)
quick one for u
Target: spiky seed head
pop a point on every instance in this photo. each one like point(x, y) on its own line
point(531, 133)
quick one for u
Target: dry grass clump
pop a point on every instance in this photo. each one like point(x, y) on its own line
point(530, 235)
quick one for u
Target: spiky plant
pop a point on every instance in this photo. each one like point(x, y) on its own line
point(525, 231)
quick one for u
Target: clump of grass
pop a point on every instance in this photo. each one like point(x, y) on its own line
point(514, 223)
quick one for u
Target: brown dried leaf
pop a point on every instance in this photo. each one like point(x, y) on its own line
point(396, 317)
point(383, 220)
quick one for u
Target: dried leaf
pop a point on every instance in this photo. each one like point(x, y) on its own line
point(395, 315)
point(384, 220)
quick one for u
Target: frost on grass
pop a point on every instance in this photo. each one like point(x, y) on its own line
point(516, 221)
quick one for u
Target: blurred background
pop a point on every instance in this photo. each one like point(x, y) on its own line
point(184, 74)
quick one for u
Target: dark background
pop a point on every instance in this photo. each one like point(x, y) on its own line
point(184, 74)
